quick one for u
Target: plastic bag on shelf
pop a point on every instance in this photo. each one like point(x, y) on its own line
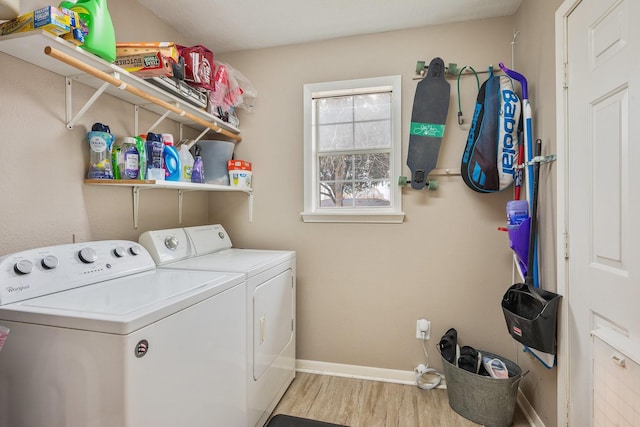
point(232, 90)
point(198, 66)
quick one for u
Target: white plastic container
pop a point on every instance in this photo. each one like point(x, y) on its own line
point(186, 163)
point(239, 173)
point(215, 155)
point(240, 178)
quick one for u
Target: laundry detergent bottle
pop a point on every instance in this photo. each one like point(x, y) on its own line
point(186, 163)
point(155, 159)
point(171, 159)
point(100, 39)
point(129, 159)
point(100, 142)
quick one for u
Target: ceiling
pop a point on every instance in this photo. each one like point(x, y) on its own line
point(233, 25)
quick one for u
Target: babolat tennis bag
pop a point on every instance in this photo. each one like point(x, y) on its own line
point(491, 154)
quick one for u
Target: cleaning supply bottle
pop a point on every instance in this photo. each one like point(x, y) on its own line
point(100, 142)
point(155, 161)
point(197, 173)
point(129, 159)
point(171, 159)
point(100, 38)
point(116, 156)
point(517, 212)
point(186, 163)
point(142, 158)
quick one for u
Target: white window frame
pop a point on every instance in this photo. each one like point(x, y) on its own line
point(383, 214)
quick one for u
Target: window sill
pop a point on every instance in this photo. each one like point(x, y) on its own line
point(354, 217)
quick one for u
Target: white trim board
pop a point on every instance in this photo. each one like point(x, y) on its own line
point(396, 377)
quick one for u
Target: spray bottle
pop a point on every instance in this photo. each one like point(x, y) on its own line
point(197, 173)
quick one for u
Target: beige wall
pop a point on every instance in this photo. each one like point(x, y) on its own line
point(361, 287)
point(535, 54)
point(447, 261)
point(44, 201)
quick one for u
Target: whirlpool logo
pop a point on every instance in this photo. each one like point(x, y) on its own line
point(12, 289)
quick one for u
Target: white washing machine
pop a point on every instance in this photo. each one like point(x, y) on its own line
point(271, 287)
point(101, 338)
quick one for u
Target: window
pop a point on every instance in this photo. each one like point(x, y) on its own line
point(352, 157)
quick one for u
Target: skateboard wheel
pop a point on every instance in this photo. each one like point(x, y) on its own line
point(433, 184)
point(402, 180)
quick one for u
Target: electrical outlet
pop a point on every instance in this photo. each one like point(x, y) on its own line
point(423, 329)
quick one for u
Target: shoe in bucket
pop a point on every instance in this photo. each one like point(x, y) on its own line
point(470, 359)
point(495, 367)
point(448, 346)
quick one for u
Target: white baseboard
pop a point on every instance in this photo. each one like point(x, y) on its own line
point(359, 372)
point(528, 411)
point(393, 376)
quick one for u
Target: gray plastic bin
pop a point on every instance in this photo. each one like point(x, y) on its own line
point(484, 400)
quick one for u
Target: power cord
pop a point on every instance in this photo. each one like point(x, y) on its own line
point(433, 377)
point(460, 118)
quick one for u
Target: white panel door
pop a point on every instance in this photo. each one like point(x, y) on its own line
point(602, 189)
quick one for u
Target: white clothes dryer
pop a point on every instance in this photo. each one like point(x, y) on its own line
point(101, 338)
point(270, 304)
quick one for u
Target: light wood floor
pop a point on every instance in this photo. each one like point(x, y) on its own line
point(361, 403)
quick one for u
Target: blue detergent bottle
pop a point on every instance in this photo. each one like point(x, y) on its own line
point(171, 159)
point(155, 159)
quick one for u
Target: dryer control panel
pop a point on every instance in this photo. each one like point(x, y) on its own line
point(166, 246)
point(177, 244)
point(36, 272)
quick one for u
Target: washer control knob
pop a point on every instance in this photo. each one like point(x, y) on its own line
point(171, 243)
point(49, 262)
point(119, 252)
point(88, 255)
point(23, 267)
point(135, 250)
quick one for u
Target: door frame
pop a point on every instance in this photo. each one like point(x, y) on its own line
point(562, 149)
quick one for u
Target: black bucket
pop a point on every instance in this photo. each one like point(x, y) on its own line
point(531, 315)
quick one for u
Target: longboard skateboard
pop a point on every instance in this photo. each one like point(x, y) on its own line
point(428, 118)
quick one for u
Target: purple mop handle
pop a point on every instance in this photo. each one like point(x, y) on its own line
point(517, 76)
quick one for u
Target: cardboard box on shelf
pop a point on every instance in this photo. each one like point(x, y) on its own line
point(168, 49)
point(47, 18)
point(145, 64)
point(78, 28)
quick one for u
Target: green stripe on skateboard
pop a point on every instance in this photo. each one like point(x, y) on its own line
point(427, 129)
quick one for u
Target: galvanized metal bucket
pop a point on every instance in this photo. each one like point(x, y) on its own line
point(483, 400)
